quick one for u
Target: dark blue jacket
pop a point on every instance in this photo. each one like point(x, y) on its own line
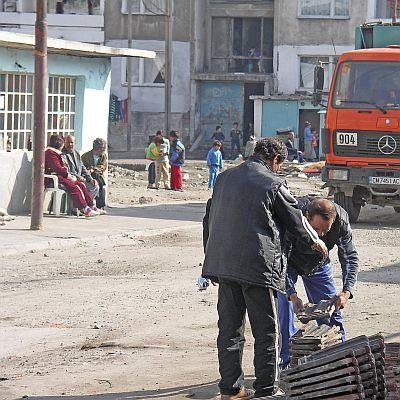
point(340, 235)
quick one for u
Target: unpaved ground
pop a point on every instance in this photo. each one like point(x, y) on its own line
point(127, 186)
point(125, 321)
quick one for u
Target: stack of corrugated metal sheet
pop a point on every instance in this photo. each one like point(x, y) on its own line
point(344, 371)
point(312, 338)
point(392, 370)
point(377, 345)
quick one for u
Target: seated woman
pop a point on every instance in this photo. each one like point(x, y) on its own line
point(56, 165)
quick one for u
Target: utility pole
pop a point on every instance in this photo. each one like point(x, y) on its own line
point(129, 80)
point(39, 98)
point(169, 11)
point(394, 11)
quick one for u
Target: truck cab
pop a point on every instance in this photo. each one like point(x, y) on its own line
point(361, 138)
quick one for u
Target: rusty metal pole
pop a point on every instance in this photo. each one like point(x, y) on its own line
point(169, 11)
point(129, 81)
point(39, 98)
point(394, 11)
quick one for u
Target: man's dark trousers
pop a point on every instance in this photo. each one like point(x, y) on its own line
point(233, 301)
point(235, 143)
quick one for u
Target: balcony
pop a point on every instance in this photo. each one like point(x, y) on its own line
point(70, 20)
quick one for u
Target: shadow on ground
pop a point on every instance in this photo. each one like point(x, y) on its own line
point(181, 212)
point(202, 391)
point(389, 274)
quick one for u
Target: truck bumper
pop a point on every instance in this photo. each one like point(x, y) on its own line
point(358, 180)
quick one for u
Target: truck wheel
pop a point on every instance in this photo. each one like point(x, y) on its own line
point(347, 203)
point(397, 209)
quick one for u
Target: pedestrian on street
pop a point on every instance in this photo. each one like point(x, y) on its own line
point(236, 135)
point(176, 160)
point(162, 164)
point(152, 155)
point(214, 163)
point(309, 153)
point(331, 222)
point(219, 135)
point(250, 210)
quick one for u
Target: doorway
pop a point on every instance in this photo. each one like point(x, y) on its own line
point(313, 118)
point(250, 89)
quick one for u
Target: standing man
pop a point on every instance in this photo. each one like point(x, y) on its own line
point(308, 139)
point(331, 222)
point(176, 160)
point(77, 169)
point(250, 210)
point(219, 135)
point(236, 135)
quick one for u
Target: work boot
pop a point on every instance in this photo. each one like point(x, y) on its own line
point(244, 394)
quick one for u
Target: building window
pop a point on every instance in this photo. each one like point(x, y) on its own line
point(307, 65)
point(83, 7)
point(15, 111)
point(144, 6)
point(61, 106)
point(242, 45)
point(324, 8)
point(145, 72)
point(384, 9)
point(8, 6)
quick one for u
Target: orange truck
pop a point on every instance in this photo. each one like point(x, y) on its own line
point(361, 138)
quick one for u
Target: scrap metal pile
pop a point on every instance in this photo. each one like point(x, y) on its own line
point(392, 370)
point(355, 369)
point(312, 338)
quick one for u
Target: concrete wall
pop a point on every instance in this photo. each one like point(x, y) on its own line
point(146, 27)
point(148, 100)
point(288, 62)
point(15, 181)
point(290, 29)
point(92, 106)
point(299, 36)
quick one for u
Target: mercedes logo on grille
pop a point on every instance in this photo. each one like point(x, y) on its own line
point(387, 144)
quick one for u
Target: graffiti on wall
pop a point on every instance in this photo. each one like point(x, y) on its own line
point(221, 104)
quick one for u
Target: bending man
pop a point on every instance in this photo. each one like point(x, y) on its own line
point(331, 222)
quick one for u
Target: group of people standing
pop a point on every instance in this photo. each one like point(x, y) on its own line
point(166, 156)
point(258, 239)
point(216, 154)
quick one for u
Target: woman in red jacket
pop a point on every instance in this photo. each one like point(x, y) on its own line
point(56, 165)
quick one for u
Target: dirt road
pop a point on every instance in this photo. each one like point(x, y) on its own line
point(126, 321)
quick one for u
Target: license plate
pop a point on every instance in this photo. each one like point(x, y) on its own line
point(346, 138)
point(384, 180)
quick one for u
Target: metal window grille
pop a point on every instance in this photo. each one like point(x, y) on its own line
point(15, 111)
point(61, 106)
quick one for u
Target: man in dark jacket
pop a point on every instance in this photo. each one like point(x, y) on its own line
point(77, 168)
point(250, 210)
point(331, 222)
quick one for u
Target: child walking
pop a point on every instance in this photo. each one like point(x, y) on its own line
point(214, 163)
point(162, 165)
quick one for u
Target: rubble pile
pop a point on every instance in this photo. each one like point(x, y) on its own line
point(346, 371)
point(392, 370)
point(310, 339)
